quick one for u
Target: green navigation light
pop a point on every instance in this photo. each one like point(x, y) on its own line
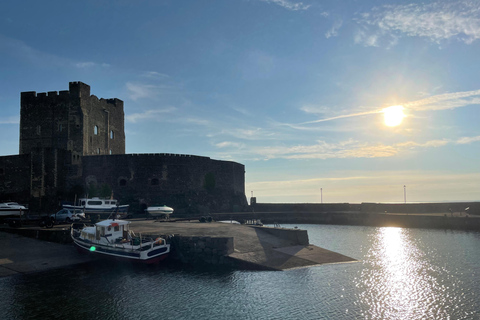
point(92, 248)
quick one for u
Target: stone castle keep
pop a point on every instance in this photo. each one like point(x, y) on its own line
point(71, 142)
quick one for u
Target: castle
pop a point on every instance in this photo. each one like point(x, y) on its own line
point(71, 142)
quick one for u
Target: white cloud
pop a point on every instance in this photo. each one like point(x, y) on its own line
point(348, 149)
point(434, 103)
point(84, 65)
point(10, 120)
point(288, 4)
point(155, 75)
point(230, 144)
point(369, 186)
point(445, 101)
point(148, 114)
point(333, 31)
point(435, 21)
point(468, 140)
point(144, 91)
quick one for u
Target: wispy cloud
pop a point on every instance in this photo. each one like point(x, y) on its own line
point(10, 120)
point(349, 149)
point(333, 31)
point(85, 65)
point(145, 91)
point(467, 140)
point(435, 21)
point(148, 114)
point(434, 103)
point(361, 186)
point(230, 144)
point(345, 116)
point(288, 4)
point(21, 50)
point(155, 75)
point(445, 101)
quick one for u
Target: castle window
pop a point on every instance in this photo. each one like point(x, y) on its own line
point(95, 130)
point(112, 135)
point(98, 150)
point(110, 151)
point(39, 130)
point(60, 127)
point(155, 182)
point(122, 182)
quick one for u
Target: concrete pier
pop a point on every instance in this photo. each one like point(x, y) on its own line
point(240, 246)
point(253, 247)
point(23, 255)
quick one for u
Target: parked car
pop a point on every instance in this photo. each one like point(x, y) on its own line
point(68, 215)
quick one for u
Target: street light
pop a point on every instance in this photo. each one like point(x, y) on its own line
point(321, 195)
point(405, 194)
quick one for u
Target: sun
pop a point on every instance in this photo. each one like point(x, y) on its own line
point(393, 115)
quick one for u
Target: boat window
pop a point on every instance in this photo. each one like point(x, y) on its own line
point(102, 231)
point(113, 202)
point(116, 228)
point(94, 203)
point(107, 202)
point(83, 203)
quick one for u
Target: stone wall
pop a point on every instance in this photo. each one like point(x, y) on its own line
point(211, 250)
point(71, 120)
point(15, 178)
point(178, 181)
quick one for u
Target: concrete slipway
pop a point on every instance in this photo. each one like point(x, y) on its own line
point(260, 248)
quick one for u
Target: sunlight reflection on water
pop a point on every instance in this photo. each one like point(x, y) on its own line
point(401, 283)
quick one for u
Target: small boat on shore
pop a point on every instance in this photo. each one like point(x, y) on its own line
point(98, 206)
point(114, 239)
point(11, 209)
point(159, 211)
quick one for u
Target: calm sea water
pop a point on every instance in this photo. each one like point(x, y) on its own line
point(401, 274)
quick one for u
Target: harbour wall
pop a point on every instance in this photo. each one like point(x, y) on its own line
point(442, 221)
point(368, 207)
point(210, 250)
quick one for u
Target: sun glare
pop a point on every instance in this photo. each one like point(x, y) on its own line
point(393, 115)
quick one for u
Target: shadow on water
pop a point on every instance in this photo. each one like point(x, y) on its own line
point(100, 289)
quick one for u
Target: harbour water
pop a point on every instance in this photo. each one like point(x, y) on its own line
point(401, 274)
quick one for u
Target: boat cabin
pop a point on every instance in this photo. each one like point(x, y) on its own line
point(112, 229)
point(97, 202)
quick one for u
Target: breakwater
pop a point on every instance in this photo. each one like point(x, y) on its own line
point(433, 221)
point(367, 207)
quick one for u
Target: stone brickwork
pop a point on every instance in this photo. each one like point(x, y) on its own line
point(210, 250)
point(71, 120)
point(173, 179)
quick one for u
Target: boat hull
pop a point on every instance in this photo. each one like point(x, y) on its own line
point(121, 210)
point(110, 252)
point(10, 213)
point(159, 211)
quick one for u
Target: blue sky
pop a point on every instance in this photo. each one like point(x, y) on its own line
point(295, 91)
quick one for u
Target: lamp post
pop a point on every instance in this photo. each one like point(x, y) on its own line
point(405, 194)
point(321, 195)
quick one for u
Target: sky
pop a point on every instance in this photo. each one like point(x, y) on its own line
point(297, 91)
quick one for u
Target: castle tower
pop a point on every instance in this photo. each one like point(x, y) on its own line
point(71, 120)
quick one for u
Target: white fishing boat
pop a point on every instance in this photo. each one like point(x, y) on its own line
point(11, 209)
point(159, 211)
point(113, 239)
point(98, 206)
